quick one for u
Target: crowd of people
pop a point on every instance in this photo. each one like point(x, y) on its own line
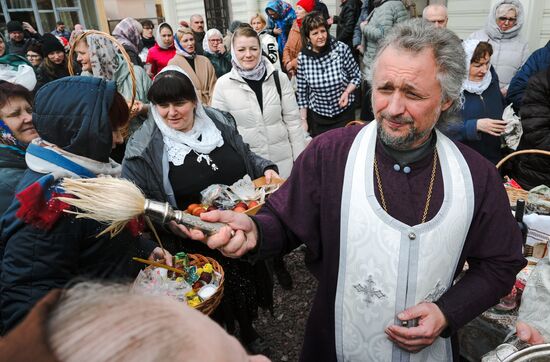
point(176, 107)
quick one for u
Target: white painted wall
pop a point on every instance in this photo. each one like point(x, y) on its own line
point(120, 9)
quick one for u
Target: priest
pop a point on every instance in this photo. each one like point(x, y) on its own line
point(390, 212)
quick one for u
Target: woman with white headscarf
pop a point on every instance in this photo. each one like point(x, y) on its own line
point(198, 67)
point(215, 51)
point(502, 31)
point(163, 50)
point(180, 150)
point(483, 106)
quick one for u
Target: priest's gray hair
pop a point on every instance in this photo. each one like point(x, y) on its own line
point(416, 35)
point(106, 322)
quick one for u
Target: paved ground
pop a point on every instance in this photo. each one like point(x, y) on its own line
point(285, 330)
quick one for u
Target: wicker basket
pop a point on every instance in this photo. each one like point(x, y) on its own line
point(124, 55)
point(515, 194)
point(209, 305)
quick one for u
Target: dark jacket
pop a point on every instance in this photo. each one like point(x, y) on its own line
point(489, 105)
point(146, 164)
point(44, 75)
point(198, 42)
point(12, 166)
point(364, 13)
point(534, 170)
point(20, 48)
point(538, 61)
point(221, 62)
point(34, 260)
point(349, 13)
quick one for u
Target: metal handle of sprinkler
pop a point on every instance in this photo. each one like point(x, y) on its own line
point(163, 213)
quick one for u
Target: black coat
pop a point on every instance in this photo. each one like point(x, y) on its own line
point(347, 19)
point(533, 170)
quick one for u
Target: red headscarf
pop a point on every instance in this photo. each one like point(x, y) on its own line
point(307, 5)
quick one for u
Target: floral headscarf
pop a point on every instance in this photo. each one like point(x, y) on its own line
point(103, 56)
point(7, 138)
point(128, 33)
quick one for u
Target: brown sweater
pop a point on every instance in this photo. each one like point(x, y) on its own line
point(293, 47)
point(203, 78)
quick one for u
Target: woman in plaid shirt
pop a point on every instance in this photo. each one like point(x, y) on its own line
point(327, 77)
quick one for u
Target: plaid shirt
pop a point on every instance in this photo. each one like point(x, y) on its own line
point(322, 79)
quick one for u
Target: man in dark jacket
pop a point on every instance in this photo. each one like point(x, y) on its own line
point(538, 61)
point(41, 247)
point(534, 170)
point(349, 13)
point(197, 25)
point(21, 36)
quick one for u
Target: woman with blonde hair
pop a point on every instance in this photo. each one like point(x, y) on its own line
point(268, 41)
point(198, 67)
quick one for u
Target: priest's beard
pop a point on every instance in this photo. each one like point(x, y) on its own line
point(404, 142)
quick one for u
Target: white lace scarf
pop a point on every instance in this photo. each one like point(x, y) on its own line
point(470, 46)
point(203, 138)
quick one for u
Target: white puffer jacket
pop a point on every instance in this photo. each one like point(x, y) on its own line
point(509, 50)
point(276, 133)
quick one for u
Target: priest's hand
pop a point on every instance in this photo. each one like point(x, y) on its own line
point(528, 333)
point(234, 240)
point(430, 325)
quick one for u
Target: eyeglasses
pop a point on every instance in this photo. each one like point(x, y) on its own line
point(214, 40)
point(147, 28)
point(504, 19)
point(33, 56)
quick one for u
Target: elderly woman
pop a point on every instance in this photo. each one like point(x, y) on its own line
point(327, 77)
point(16, 132)
point(181, 149)
point(128, 33)
point(164, 50)
point(198, 67)
point(54, 65)
point(43, 247)
point(502, 30)
point(215, 51)
point(294, 44)
point(483, 106)
point(100, 58)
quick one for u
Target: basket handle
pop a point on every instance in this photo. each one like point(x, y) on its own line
point(120, 48)
point(522, 152)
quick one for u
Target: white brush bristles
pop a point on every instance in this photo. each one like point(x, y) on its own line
point(108, 200)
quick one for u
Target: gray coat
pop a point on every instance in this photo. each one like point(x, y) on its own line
point(146, 162)
point(509, 50)
point(381, 20)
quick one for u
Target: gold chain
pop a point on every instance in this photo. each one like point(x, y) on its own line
point(430, 187)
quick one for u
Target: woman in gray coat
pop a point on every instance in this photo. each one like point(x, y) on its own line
point(180, 150)
point(502, 31)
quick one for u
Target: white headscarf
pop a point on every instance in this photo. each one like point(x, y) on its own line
point(209, 34)
point(203, 138)
point(470, 46)
point(158, 38)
